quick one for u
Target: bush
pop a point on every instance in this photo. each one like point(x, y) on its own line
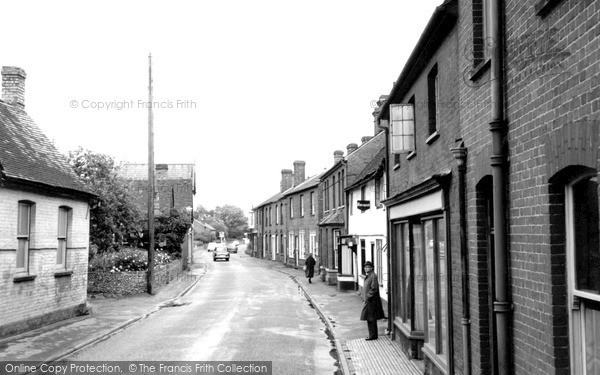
point(169, 233)
point(125, 260)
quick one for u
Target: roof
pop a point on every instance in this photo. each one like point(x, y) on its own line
point(309, 183)
point(28, 156)
point(357, 161)
point(438, 28)
point(334, 218)
point(373, 167)
point(207, 226)
point(131, 171)
point(274, 198)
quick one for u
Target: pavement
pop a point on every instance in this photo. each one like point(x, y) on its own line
point(339, 310)
point(109, 315)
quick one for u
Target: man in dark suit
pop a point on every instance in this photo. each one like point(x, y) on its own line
point(372, 308)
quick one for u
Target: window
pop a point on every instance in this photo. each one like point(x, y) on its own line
point(291, 208)
point(333, 188)
point(312, 242)
point(379, 261)
point(403, 127)
point(583, 270)
point(422, 286)
point(23, 233)
point(301, 244)
point(482, 40)
point(433, 100)
point(312, 202)
point(281, 212)
point(342, 198)
point(291, 245)
point(301, 205)
point(363, 192)
point(63, 229)
point(276, 214)
point(326, 195)
point(339, 189)
point(378, 192)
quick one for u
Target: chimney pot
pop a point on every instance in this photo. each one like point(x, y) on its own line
point(351, 148)
point(338, 155)
point(13, 85)
point(365, 139)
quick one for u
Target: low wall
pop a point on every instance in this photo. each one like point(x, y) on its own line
point(124, 283)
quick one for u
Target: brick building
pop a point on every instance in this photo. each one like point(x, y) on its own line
point(303, 208)
point(333, 224)
point(512, 205)
point(44, 231)
point(175, 186)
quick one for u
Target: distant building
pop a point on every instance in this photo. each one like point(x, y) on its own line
point(175, 186)
point(44, 231)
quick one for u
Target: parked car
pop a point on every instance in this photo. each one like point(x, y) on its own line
point(211, 246)
point(220, 252)
point(236, 243)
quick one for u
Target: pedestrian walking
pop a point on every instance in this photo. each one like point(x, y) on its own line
point(309, 267)
point(372, 308)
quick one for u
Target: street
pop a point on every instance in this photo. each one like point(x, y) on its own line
point(238, 311)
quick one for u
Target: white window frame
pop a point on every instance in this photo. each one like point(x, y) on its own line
point(402, 129)
point(301, 205)
point(64, 213)
point(23, 237)
point(312, 202)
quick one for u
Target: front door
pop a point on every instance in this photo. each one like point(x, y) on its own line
point(583, 270)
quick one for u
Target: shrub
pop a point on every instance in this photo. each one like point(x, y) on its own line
point(125, 260)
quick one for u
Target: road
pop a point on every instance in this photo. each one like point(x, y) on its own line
point(239, 311)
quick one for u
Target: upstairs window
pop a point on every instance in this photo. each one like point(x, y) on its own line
point(433, 99)
point(333, 187)
point(301, 205)
point(402, 128)
point(312, 202)
point(291, 208)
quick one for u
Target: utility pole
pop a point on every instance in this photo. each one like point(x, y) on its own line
point(150, 274)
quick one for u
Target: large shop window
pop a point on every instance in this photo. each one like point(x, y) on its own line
point(422, 293)
point(583, 265)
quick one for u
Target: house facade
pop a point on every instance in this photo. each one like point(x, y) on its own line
point(367, 229)
point(333, 224)
point(422, 204)
point(303, 208)
point(44, 231)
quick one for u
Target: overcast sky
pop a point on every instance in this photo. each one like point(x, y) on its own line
point(247, 86)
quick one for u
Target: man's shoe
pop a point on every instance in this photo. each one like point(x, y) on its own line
point(371, 338)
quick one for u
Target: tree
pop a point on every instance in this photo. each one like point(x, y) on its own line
point(234, 219)
point(114, 219)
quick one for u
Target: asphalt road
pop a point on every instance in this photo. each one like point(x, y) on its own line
point(239, 311)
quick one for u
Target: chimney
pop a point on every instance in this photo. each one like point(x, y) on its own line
point(287, 179)
point(13, 85)
point(299, 166)
point(337, 156)
point(365, 139)
point(351, 148)
point(382, 99)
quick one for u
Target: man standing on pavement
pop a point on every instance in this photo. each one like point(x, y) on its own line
point(309, 267)
point(372, 308)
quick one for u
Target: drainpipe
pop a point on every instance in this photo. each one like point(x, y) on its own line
point(502, 305)
point(460, 153)
point(383, 124)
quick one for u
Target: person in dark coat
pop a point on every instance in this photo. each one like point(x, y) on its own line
point(372, 308)
point(309, 265)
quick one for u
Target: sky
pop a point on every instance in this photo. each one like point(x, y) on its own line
point(241, 89)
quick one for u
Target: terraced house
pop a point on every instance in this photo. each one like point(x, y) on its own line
point(44, 231)
point(493, 140)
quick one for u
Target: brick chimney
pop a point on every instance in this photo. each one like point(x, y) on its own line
point(299, 167)
point(351, 148)
point(287, 179)
point(13, 85)
point(382, 99)
point(337, 156)
point(365, 139)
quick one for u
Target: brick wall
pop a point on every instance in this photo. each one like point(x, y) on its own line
point(307, 223)
point(172, 193)
point(47, 298)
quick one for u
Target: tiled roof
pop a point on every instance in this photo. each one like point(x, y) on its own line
point(370, 170)
point(308, 184)
point(334, 218)
point(27, 154)
point(357, 161)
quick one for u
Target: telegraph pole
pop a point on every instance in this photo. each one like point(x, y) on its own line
point(150, 273)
